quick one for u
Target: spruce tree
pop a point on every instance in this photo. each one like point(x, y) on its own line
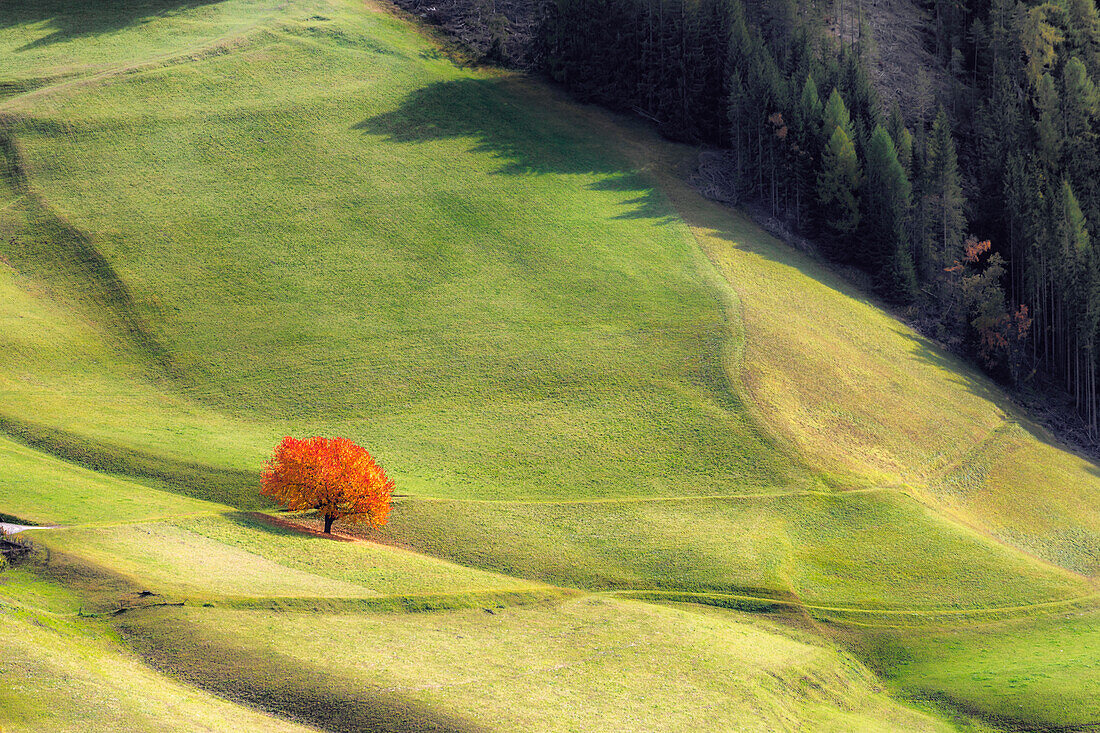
point(808, 156)
point(809, 105)
point(903, 139)
point(1081, 160)
point(885, 199)
point(1083, 32)
point(836, 115)
point(1074, 294)
point(1048, 128)
point(1073, 231)
point(860, 95)
point(837, 184)
point(943, 190)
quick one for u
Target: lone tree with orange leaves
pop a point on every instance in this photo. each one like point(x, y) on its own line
point(335, 477)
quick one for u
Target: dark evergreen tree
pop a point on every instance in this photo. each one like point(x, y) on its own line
point(902, 138)
point(942, 191)
point(837, 186)
point(836, 115)
point(885, 201)
point(1080, 157)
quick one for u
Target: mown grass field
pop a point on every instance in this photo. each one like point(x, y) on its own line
point(225, 222)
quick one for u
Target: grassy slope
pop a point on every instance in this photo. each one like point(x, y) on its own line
point(875, 550)
point(331, 228)
point(44, 490)
point(858, 392)
point(234, 555)
point(47, 41)
point(1013, 671)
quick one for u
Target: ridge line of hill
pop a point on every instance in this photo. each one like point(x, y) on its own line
point(543, 593)
point(684, 498)
point(1078, 602)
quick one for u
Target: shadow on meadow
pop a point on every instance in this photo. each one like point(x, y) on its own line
point(66, 20)
point(315, 694)
point(525, 142)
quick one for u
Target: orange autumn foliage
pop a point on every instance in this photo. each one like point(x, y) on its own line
point(335, 477)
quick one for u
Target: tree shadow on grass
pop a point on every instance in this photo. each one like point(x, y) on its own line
point(959, 372)
point(282, 685)
point(524, 138)
point(283, 527)
point(648, 204)
point(67, 19)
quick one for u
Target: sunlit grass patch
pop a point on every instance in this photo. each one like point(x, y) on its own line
point(70, 675)
point(45, 490)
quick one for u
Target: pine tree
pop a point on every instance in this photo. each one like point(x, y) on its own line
point(808, 140)
point(809, 106)
point(1074, 297)
point(1038, 39)
point(1049, 126)
point(1080, 157)
point(903, 139)
point(860, 94)
point(999, 131)
point(1083, 32)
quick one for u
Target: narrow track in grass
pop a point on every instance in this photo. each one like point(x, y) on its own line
point(686, 498)
point(489, 600)
point(899, 617)
point(149, 520)
point(185, 55)
point(494, 599)
point(747, 602)
point(848, 615)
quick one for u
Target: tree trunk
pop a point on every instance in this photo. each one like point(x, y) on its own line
point(329, 519)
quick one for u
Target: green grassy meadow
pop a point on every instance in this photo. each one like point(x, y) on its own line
point(657, 469)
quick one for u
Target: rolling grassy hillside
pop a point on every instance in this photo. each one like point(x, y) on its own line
point(482, 292)
point(225, 222)
point(586, 665)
